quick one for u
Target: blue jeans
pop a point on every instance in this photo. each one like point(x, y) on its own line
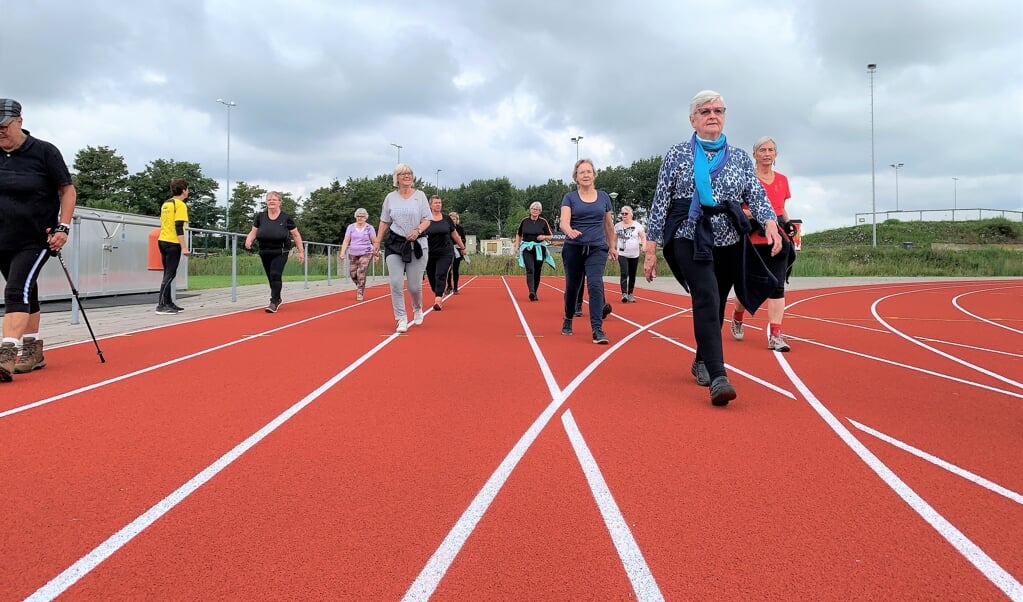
point(588, 261)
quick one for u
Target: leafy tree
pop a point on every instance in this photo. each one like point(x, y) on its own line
point(323, 214)
point(549, 195)
point(149, 188)
point(244, 200)
point(102, 178)
point(488, 206)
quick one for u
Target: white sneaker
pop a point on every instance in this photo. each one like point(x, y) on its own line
point(402, 326)
point(737, 332)
point(417, 315)
point(776, 343)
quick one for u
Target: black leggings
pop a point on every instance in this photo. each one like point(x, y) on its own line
point(452, 279)
point(534, 267)
point(437, 267)
point(170, 253)
point(20, 270)
point(273, 265)
point(709, 284)
point(628, 279)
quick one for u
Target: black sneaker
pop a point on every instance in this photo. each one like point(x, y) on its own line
point(532, 296)
point(578, 313)
point(273, 307)
point(599, 337)
point(177, 307)
point(625, 298)
point(165, 310)
point(721, 391)
point(566, 326)
point(699, 370)
point(606, 311)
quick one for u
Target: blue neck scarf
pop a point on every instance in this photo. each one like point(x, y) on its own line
point(704, 171)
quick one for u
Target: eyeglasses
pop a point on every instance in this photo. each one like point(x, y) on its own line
point(719, 111)
point(625, 214)
point(3, 128)
point(405, 173)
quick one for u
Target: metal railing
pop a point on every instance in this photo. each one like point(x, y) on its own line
point(939, 215)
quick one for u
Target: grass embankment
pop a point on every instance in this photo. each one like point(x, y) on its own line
point(839, 252)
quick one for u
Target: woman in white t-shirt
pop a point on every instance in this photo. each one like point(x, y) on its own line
point(630, 237)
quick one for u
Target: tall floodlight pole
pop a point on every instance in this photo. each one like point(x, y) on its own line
point(438, 178)
point(897, 167)
point(955, 185)
point(576, 141)
point(873, 180)
point(397, 146)
point(227, 202)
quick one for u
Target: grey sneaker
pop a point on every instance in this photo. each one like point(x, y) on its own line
point(699, 370)
point(776, 343)
point(599, 337)
point(272, 307)
point(632, 298)
point(721, 391)
point(737, 332)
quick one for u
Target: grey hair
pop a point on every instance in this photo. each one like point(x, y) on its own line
point(703, 97)
point(399, 169)
point(762, 141)
point(536, 204)
point(361, 211)
point(436, 196)
point(629, 209)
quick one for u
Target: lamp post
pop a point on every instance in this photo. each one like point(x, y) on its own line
point(955, 185)
point(227, 201)
point(438, 179)
point(576, 140)
point(897, 167)
point(397, 146)
point(873, 180)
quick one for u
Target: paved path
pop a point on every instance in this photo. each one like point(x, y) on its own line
point(57, 328)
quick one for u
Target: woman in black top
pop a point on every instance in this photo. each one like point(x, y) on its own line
point(531, 246)
point(456, 265)
point(271, 229)
point(441, 238)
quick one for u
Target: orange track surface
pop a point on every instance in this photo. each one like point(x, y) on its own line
point(313, 454)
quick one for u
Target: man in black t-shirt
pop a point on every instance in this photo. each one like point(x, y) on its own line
point(37, 202)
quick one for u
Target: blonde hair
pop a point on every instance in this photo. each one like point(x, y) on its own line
point(400, 169)
point(575, 171)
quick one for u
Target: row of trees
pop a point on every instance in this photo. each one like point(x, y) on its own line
point(487, 208)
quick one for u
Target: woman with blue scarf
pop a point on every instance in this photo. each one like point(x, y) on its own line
point(697, 216)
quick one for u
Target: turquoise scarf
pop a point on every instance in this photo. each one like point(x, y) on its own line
point(703, 170)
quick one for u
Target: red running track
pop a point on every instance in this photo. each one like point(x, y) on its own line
point(314, 454)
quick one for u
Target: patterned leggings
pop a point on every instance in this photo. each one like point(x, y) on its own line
point(357, 265)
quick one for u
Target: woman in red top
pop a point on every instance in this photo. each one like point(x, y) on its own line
point(765, 151)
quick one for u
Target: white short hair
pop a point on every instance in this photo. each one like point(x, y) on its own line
point(703, 97)
point(762, 141)
point(400, 169)
point(536, 204)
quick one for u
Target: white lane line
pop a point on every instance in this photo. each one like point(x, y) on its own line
point(973, 347)
point(425, 583)
point(643, 582)
point(177, 360)
point(955, 302)
point(115, 542)
point(1001, 578)
point(949, 356)
point(959, 472)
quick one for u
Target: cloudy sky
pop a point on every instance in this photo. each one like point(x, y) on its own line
point(324, 88)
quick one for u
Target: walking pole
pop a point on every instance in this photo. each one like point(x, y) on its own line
point(74, 292)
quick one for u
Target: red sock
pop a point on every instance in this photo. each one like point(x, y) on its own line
point(738, 315)
point(775, 330)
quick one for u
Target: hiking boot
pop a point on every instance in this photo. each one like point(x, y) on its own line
point(776, 343)
point(165, 310)
point(31, 356)
point(599, 337)
point(8, 356)
point(721, 391)
point(566, 326)
point(604, 313)
point(737, 332)
point(699, 370)
point(402, 326)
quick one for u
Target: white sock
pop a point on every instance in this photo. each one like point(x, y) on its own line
point(34, 335)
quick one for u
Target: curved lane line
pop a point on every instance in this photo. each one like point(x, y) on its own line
point(955, 302)
point(425, 583)
point(960, 472)
point(994, 572)
point(962, 362)
point(636, 567)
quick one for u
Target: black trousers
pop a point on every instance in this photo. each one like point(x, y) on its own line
point(628, 266)
point(20, 270)
point(533, 268)
point(273, 265)
point(452, 279)
point(170, 254)
point(437, 267)
point(709, 284)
